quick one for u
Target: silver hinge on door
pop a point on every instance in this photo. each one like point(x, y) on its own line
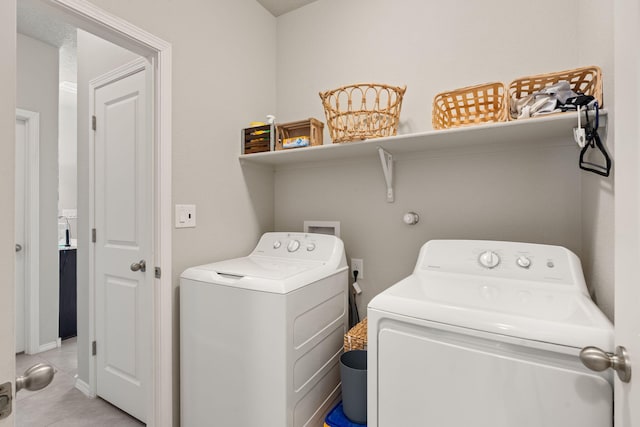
point(93, 235)
point(5, 400)
point(158, 272)
point(94, 348)
point(94, 124)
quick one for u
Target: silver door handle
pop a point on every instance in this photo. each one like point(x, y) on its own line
point(36, 377)
point(599, 360)
point(18, 247)
point(142, 266)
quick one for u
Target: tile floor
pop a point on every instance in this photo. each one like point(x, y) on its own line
point(61, 404)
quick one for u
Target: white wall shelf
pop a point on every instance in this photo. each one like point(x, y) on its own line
point(552, 130)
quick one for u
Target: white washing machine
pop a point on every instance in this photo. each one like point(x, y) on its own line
point(261, 336)
point(487, 334)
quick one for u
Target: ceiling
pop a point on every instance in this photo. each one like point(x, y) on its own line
point(34, 22)
point(280, 7)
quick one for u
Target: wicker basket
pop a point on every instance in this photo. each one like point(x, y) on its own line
point(362, 111)
point(586, 80)
point(470, 105)
point(356, 338)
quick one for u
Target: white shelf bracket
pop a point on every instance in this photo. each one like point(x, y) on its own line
point(387, 168)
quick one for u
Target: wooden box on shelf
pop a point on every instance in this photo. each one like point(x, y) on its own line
point(310, 128)
point(258, 139)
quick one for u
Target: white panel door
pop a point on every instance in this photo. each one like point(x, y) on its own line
point(20, 212)
point(123, 220)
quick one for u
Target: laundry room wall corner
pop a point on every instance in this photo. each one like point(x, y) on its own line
point(596, 17)
point(531, 194)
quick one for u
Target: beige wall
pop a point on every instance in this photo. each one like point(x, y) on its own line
point(37, 91)
point(537, 195)
point(429, 46)
point(7, 156)
point(95, 58)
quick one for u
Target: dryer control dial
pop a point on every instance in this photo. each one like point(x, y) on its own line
point(293, 245)
point(276, 244)
point(489, 259)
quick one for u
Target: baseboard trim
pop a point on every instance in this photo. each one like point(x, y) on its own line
point(50, 345)
point(84, 388)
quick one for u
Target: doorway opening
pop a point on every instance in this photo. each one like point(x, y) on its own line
point(75, 221)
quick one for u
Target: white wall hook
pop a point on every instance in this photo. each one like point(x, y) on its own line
point(387, 168)
point(579, 134)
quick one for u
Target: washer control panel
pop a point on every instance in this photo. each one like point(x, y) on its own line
point(303, 246)
point(508, 260)
point(489, 259)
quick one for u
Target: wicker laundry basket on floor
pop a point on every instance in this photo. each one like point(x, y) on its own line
point(356, 338)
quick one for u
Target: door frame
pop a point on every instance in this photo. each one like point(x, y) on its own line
point(32, 231)
point(119, 73)
point(86, 16)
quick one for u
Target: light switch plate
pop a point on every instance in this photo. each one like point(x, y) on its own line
point(185, 216)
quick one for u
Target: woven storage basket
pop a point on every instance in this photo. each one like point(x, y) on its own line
point(586, 80)
point(470, 105)
point(356, 338)
point(362, 111)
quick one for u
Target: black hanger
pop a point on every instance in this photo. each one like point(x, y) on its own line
point(594, 142)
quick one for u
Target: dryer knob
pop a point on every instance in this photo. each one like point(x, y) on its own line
point(276, 244)
point(489, 259)
point(293, 246)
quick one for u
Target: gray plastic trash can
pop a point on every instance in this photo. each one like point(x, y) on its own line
point(353, 372)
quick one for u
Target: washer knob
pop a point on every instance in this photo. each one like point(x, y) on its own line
point(489, 259)
point(277, 244)
point(293, 246)
point(523, 261)
point(311, 247)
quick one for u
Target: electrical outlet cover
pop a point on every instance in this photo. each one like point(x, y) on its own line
point(357, 264)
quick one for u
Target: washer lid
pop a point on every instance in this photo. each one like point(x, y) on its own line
point(262, 267)
point(262, 273)
point(520, 309)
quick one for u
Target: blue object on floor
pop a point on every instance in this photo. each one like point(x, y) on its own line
point(336, 418)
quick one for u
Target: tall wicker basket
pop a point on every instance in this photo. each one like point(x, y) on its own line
point(362, 111)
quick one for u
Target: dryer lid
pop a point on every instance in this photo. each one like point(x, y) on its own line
point(520, 309)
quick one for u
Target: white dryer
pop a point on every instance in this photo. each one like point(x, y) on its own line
point(487, 333)
point(261, 335)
